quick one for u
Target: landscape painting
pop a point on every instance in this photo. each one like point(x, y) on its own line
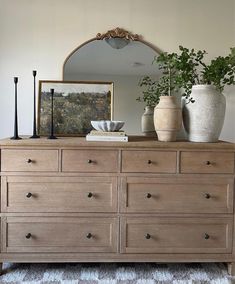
point(75, 105)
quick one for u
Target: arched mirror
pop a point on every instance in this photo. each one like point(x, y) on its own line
point(119, 57)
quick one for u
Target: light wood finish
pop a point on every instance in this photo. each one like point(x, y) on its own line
point(231, 268)
point(148, 161)
point(176, 235)
point(60, 234)
point(140, 142)
point(116, 257)
point(207, 162)
point(59, 194)
point(188, 200)
point(179, 195)
point(14, 160)
point(89, 161)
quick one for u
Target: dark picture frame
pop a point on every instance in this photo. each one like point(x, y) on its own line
point(76, 103)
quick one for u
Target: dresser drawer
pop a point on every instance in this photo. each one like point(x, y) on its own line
point(90, 161)
point(177, 195)
point(17, 160)
point(207, 162)
point(59, 194)
point(55, 234)
point(148, 161)
point(176, 235)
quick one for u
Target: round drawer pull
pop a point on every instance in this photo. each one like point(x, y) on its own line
point(147, 236)
point(208, 163)
point(89, 195)
point(29, 161)
point(89, 236)
point(28, 236)
point(148, 195)
point(207, 196)
point(89, 161)
point(206, 236)
point(149, 162)
point(29, 194)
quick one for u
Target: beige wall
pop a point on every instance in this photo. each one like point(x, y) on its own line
point(39, 34)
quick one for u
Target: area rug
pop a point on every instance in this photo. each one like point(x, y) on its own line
point(74, 273)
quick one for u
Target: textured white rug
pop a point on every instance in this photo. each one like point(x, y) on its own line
point(74, 273)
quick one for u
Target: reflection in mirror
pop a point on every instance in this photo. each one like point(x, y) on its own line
point(124, 66)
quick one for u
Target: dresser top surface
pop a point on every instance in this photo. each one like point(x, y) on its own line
point(134, 142)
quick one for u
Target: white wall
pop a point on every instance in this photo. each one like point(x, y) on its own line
point(39, 34)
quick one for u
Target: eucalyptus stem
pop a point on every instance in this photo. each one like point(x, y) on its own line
point(169, 71)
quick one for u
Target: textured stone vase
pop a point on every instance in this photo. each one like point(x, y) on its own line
point(167, 118)
point(203, 120)
point(147, 125)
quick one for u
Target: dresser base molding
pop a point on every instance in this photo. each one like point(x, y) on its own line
point(62, 258)
point(113, 257)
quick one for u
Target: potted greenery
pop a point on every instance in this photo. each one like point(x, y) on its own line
point(167, 114)
point(204, 83)
point(150, 98)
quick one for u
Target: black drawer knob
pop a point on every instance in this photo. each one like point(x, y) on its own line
point(89, 195)
point(207, 196)
point(28, 236)
point(206, 236)
point(89, 236)
point(29, 194)
point(29, 161)
point(89, 161)
point(208, 163)
point(147, 236)
point(149, 162)
point(148, 195)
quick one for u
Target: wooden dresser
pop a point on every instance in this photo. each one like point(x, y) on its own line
point(69, 200)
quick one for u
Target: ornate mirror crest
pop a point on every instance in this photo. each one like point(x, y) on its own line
point(118, 33)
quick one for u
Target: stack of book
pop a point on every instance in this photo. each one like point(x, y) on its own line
point(118, 136)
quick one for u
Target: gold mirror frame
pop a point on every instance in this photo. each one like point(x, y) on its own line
point(114, 33)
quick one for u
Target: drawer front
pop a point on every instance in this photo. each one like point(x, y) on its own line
point(207, 162)
point(45, 234)
point(17, 160)
point(59, 194)
point(176, 235)
point(90, 161)
point(148, 161)
point(177, 195)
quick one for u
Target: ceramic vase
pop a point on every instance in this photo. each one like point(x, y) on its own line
point(167, 118)
point(147, 125)
point(203, 120)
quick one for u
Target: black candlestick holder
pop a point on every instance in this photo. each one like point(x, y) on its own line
point(16, 136)
point(52, 136)
point(34, 136)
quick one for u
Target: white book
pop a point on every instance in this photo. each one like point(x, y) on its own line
point(107, 133)
point(107, 138)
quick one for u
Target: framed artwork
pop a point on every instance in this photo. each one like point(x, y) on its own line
point(75, 105)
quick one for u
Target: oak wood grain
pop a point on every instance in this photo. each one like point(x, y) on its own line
point(176, 235)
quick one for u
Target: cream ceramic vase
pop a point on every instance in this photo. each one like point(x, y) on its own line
point(203, 120)
point(167, 118)
point(147, 125)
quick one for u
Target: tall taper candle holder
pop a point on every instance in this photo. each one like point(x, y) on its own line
point(34, 107)
point(16, 136)
point(52, 136)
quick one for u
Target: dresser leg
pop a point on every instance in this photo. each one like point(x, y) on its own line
point(1, 268)
point(231, 268)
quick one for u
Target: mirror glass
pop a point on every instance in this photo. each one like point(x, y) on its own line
point(98, 61)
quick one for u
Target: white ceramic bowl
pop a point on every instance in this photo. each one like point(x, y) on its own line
point(107, 125)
